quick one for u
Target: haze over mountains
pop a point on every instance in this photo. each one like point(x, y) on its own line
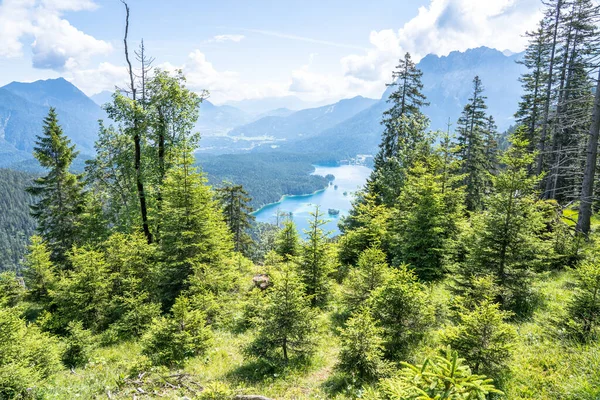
point(346, 128)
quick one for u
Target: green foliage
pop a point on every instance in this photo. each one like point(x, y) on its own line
point(235, 203)
point(263, 236)
point(508, 238)
point(584, 308)
point(315, 263)
point(483, 338)
point(16, 223)
point(440, 377)
point(389, 173)
point(11, 289)
point(78, 345)
point(473, 128)
point(172, 340)
point(27, 356)
point(84, 293)
point(403, 136)
point(132, 283)
point(286, 328)
point(194, 233)
point(216, 391)
point(371, 272)
point(424, 223)
point(38, 271)
point(400, 307)
point(365, 227)
point(361, 354)
point(287, 243)
point(59, 194)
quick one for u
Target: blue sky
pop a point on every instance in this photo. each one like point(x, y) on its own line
point(316, 50)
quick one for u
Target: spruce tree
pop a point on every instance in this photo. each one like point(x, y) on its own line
point(483, 338)
point(287, 243)
point(472, 128)
point(235, 202)
point(195, 233)
point(39, 274)
point(361, 354)
point(507, 239)
point(60, 199)
point(441, 377)
point(423, 224)
point(535, 59)
point(315, 265)
point(371, 272)
point(400, 307)
point(367, 227)
point(287, 327)
point(404, 130)
point(583, 322)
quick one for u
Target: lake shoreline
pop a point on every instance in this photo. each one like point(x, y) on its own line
point(337, 196)
point(290, 196)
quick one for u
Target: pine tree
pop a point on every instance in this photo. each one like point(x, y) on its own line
point(371, 272)
point(84, 293)
point(423, 224)
point(583, 322)
point(361, 353)
point(366, 227)
point(287, 326)
point(508, 238)
point(315, 265)
point(441, 377)
point(60, 203)
point(235, 202)
point(472, 126)
point(287, 243)
point(530, 113)
point(172, 340)
point(483, 338)
point(587, 185)
point(195, 233)
point(404, 131)
point(40, 276)
point(573, 95)
point(400, 307)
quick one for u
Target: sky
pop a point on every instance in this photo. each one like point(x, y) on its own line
point(314, 49)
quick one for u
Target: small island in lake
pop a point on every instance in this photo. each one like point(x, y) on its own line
point(333, 211)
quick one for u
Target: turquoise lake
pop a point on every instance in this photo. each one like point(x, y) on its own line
point(348, 179)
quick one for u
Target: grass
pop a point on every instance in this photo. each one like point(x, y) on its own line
point(543, 366)
point(120, 371)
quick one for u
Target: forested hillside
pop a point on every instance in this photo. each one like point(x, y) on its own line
point(16, 224)
point(266, 177)
point(468, 268)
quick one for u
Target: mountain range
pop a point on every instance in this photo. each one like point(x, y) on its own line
point(447, 84)
point(345, 128)
point(23, 107)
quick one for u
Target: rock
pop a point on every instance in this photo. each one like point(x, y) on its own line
point(250, 397)
point(261, 281)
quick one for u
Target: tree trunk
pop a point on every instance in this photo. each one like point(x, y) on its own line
point(136, 139)
point(542, 142)
point(587, 187)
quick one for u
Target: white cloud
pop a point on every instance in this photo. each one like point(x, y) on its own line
point(94, 80)
point(56, 43)
point(444, 26)
point(227, 38)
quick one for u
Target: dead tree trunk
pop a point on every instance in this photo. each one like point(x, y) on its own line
point(587, 187)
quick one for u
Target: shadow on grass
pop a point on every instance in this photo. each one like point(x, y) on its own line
point(261, 371)
point(342, 384)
